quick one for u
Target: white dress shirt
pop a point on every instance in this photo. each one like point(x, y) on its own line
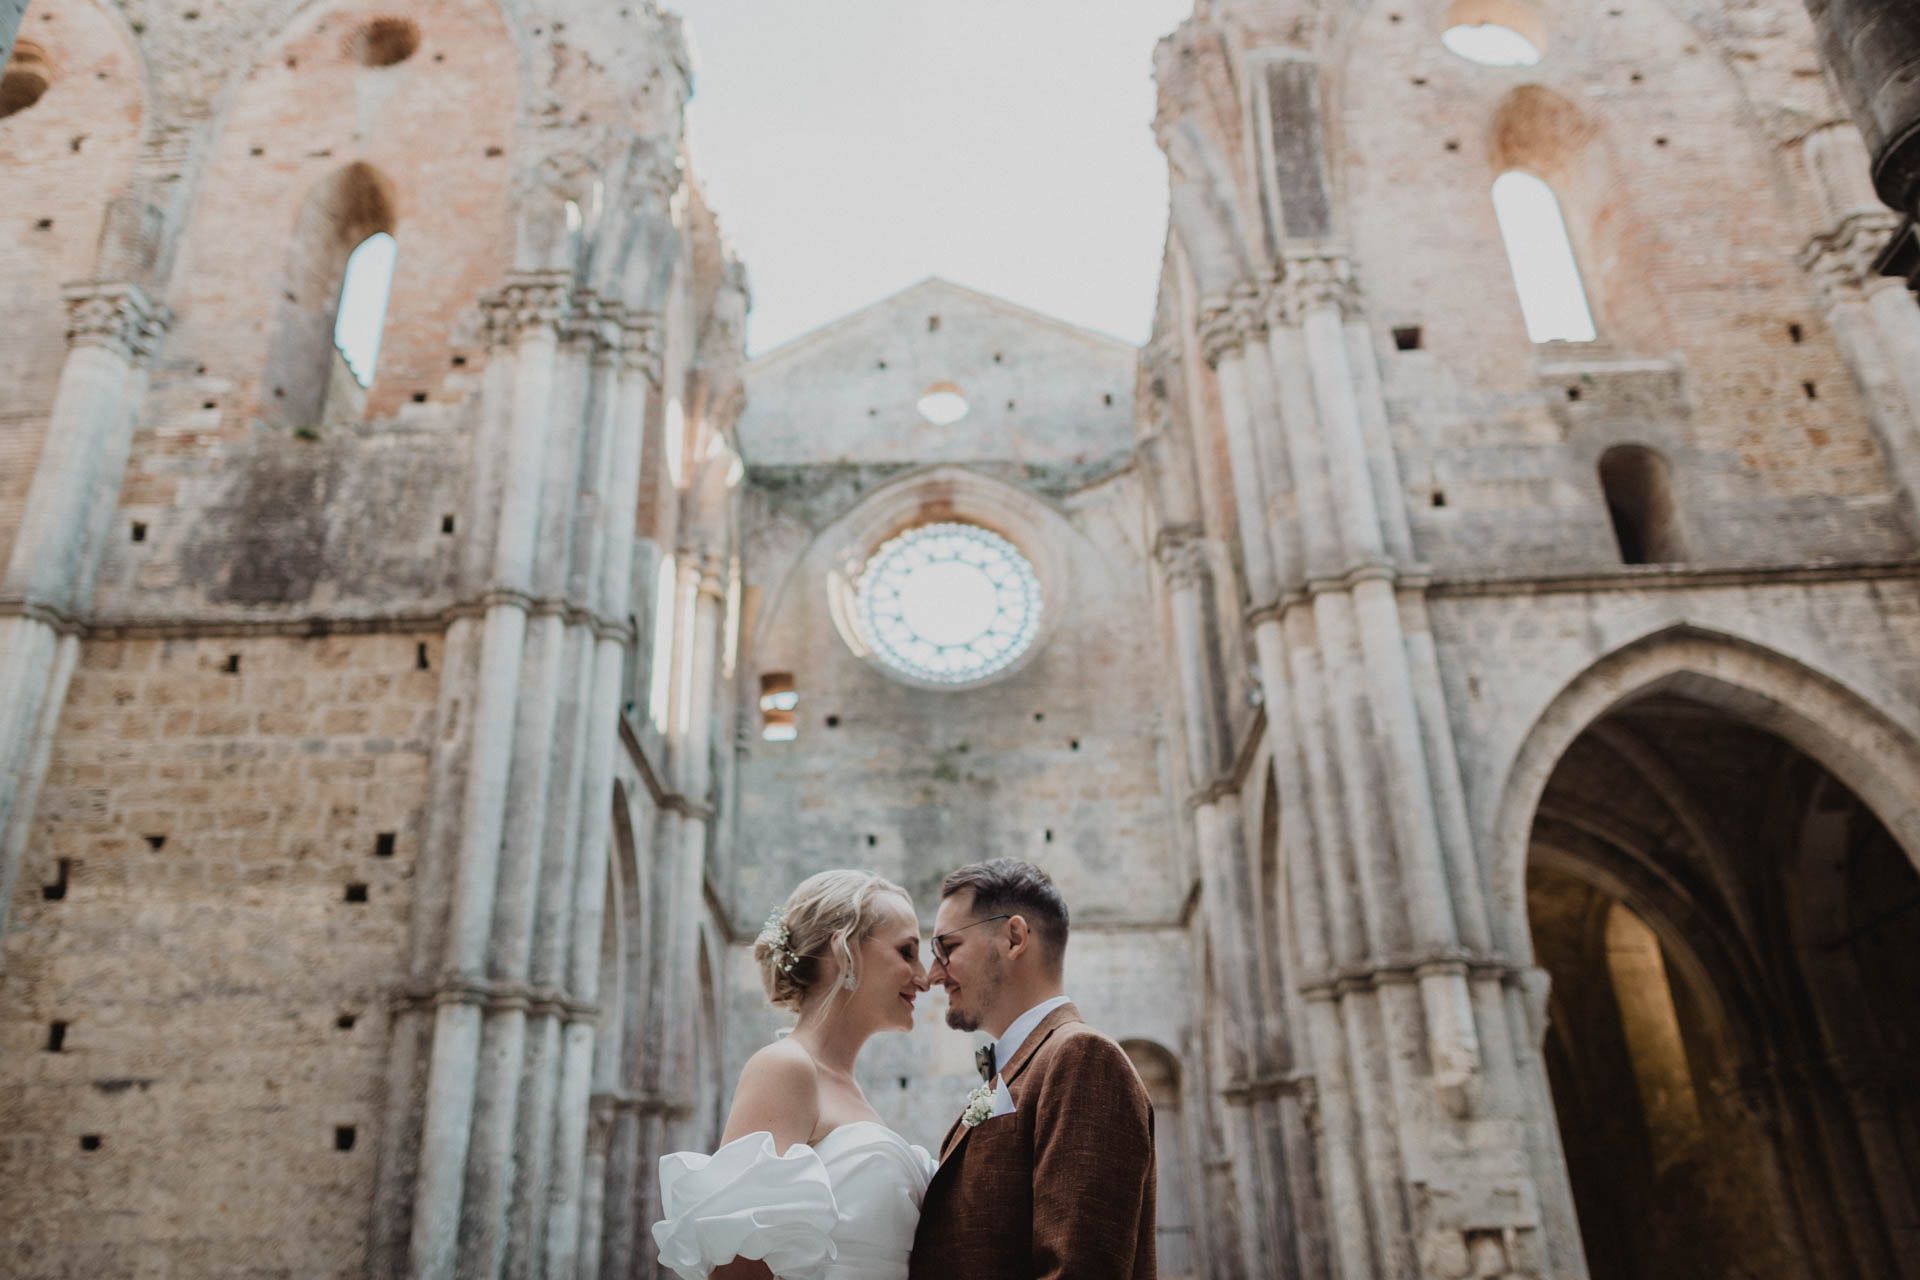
point(1009, 1044)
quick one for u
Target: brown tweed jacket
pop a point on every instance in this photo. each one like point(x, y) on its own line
point(1062, 1189)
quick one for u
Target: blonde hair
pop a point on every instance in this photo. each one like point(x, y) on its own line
point(826, 916)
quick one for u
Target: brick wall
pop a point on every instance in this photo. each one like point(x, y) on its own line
point(222, 996)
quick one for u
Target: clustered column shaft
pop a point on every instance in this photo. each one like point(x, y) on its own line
point(112, 330)
point(511, 1043)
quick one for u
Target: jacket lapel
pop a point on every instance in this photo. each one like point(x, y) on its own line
point(1038, 1036)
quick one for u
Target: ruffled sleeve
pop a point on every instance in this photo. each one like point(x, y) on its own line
point(746, 1201)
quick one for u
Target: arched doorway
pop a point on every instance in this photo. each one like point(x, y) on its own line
point(1734, 1028)
point(1160, 1072)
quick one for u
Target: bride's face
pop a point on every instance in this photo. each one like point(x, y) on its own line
point(891, 973)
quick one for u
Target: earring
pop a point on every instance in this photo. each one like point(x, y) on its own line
point(850, 982)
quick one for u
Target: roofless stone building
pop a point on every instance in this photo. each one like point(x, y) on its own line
point(1464, 670)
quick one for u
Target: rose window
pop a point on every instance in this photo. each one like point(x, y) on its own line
point(947, 603)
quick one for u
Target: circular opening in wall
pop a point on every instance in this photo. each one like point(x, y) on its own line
point(20, 90)
point(384, 42)
point(26, 81)
point(1494, 33)
point(942, 404)
point(948, 604)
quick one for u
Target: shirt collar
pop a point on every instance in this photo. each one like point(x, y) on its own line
point(1021, 1027)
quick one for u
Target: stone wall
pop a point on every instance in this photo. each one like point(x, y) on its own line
point(193, 1021)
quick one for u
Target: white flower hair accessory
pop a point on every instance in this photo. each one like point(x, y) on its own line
point(774, 934)
point(979, 1106)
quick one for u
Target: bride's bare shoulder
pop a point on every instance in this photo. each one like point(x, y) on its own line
point(783, 1061)
point(779, 1091)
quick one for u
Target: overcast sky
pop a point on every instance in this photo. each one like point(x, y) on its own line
point(853, 147)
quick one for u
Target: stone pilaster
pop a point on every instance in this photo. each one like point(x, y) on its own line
point(1876, 321)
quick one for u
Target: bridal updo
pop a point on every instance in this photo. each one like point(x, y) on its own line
point(826, 916)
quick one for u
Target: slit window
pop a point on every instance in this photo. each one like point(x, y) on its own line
point(1552, 296)
point(779, 707)
point(362, 318)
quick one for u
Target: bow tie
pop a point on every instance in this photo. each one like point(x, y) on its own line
point(983, 1059)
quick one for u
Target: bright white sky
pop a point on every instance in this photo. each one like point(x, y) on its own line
point(854, 147)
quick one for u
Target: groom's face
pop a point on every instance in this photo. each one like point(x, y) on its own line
point(974, 970)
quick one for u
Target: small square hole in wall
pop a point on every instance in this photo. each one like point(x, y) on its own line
point(446, 524)
point(232, 666)
point(345, 1021)
point(209, 404)
point(459, 362)
point(356, 893)
point(44, 224)
point(56, 891)
point(1573, 393)
point(1073, 744)
point(1812, 389)
point(419, 397)
point(933, 324)
point(56, 1037)
point(420, 660)
point(1796, 334)
point(872, 840)
point(137, 531)
point(343, 1137)
point(1407, 337)
point(1108, 398)
point(1046, 836)
point(1439, 497)
point(89, 1142)
point(833, 722)
point(1659, 142)
point(156, 843)
point(1038, 716)
point(383, 844)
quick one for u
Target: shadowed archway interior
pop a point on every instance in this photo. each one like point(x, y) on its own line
point(1736, 1002)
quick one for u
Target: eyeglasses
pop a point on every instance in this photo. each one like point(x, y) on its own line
point(939, 940)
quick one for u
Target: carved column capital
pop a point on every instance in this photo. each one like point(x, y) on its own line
point(117, 317)
point(707, 564)
point(1843, 261)
point(1182, 553)
point(642, 345)
point(1227, 324)
point(528, 302)
point(1312, 280)
point(591, 322)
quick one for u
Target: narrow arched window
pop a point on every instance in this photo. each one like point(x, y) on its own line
point(362, 316)
point(363, 294)
point(1552, 297)
point(332, 301)
point(660, 681)
point(1639, 495)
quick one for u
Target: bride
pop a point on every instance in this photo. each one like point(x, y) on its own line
point(808, 1184)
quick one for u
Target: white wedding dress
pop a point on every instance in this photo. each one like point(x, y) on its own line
point(844, 1208)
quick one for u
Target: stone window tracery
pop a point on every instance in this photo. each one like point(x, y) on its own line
point(947, 604)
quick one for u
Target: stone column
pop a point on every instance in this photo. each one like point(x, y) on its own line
point(526, 319)
point(573, 1232)
point(112, 330)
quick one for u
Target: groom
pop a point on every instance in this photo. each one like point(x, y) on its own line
point(1049, 1171)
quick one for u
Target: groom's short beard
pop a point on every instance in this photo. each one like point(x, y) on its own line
point(981, 996)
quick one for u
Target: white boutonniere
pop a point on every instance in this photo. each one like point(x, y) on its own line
point(979, 1106)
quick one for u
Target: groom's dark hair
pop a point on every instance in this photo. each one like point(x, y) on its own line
point(1017, 888)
